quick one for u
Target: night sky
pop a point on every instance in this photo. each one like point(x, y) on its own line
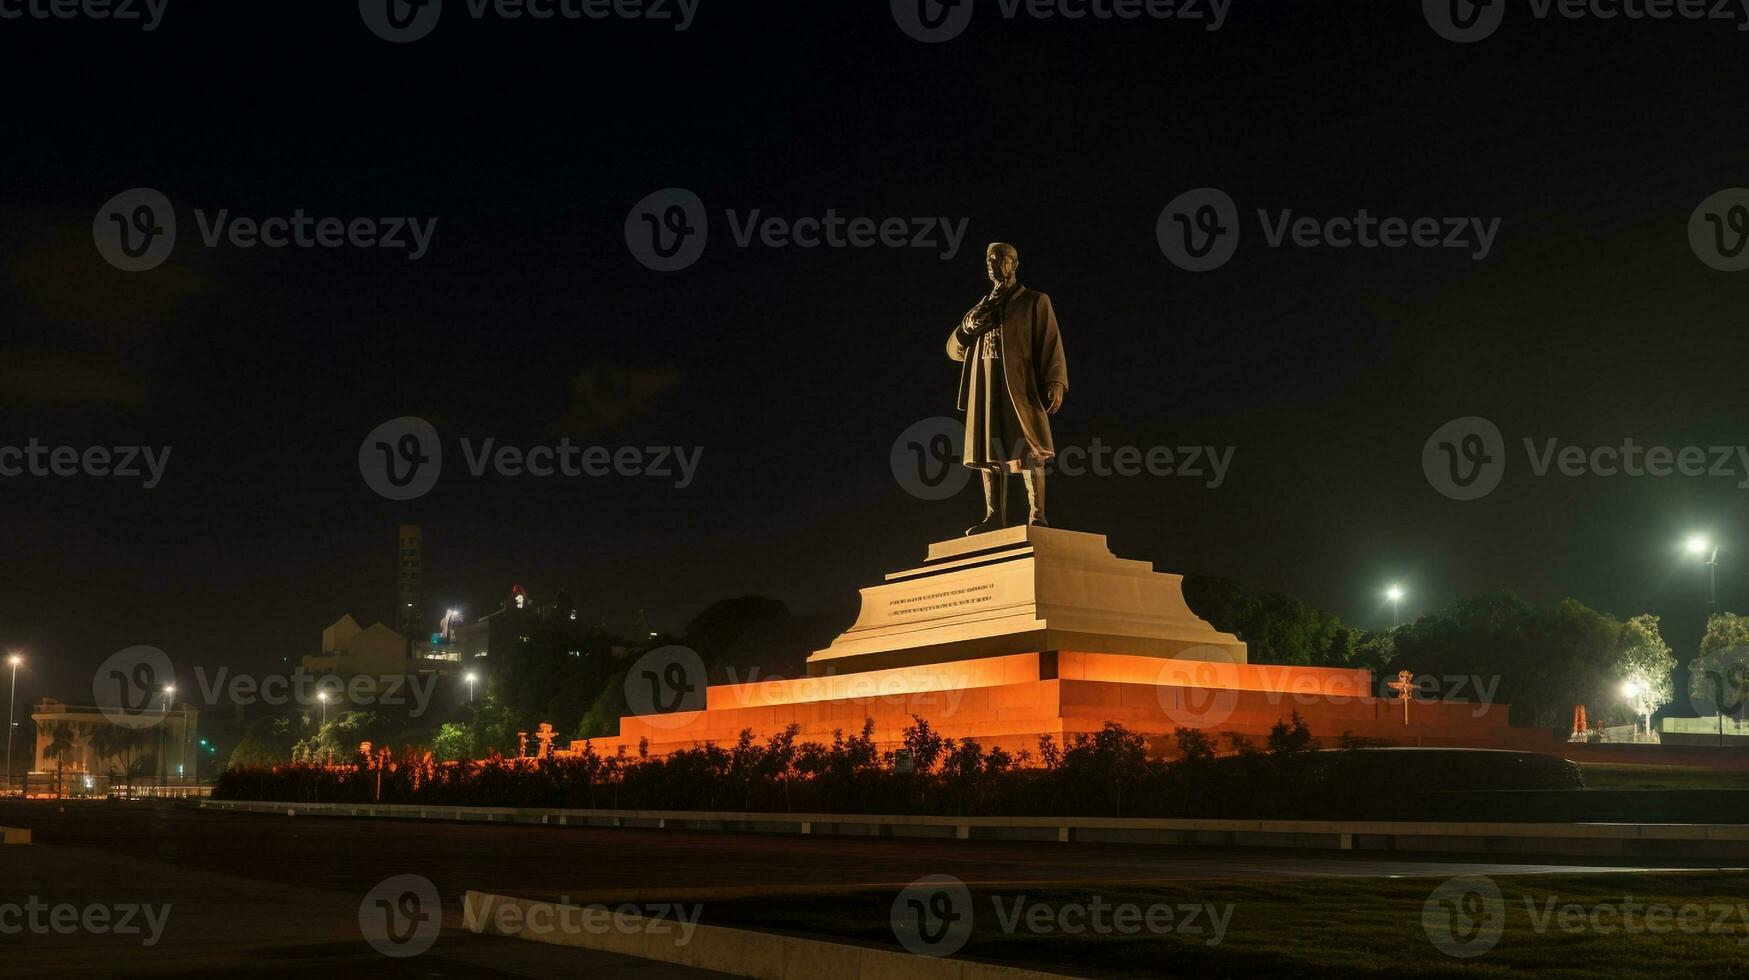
point(1325, 369)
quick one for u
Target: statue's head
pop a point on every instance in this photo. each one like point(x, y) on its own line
point(1001, 261)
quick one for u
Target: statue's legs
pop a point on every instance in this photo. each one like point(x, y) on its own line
point(995, 501)
point(1034, 475)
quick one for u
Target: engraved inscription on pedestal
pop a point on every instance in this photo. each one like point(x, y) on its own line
point(971, 595)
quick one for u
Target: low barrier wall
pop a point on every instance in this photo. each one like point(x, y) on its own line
point(1699, 842)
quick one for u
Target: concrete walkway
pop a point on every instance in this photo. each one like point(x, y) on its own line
point(202, 923)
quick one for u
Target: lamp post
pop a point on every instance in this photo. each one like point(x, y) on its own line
point(470, 678)
point(322, 696)
point(1395, 594)
point(163, 718)
point(1698, 545)
point(11, 708)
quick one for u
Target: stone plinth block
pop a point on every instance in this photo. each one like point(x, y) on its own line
point(1021, 590)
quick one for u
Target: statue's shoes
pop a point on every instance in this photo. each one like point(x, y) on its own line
point(989, 524)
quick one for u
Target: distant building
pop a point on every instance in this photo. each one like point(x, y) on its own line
point(349, 649)
point(79, 740)
point(438, 653)
point(513, 623)
point(410, 591)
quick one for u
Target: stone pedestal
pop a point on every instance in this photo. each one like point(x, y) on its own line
point(1027, 632)
point(1023, 590)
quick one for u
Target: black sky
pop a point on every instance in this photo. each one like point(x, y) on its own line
point(1326, 370)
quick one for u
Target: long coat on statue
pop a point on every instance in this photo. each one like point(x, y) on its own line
point(1031, 355)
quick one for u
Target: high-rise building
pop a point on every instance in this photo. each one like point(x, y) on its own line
point(410, 597)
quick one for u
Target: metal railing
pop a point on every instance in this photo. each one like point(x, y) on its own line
point(84, 785)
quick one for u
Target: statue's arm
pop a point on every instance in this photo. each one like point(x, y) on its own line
point(956, 348)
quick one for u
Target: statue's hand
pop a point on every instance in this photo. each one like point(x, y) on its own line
point(1054, 397)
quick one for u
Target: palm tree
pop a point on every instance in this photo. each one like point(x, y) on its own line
point(60, 736)
point(129, 741)
point(105, 744)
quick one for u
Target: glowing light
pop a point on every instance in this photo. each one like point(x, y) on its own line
point(1698, 544)
point(1630, 689)
point(1394, 593)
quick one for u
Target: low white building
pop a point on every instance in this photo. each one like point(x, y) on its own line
point(81, 740)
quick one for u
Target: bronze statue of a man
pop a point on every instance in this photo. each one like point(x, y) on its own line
point(1012, 379)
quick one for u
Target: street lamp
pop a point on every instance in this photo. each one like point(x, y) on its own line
point(470, 678)
point(11, 708)
point(322, 696)
point(1699, 545)
point(1395, 594)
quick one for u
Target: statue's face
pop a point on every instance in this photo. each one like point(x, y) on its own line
point(1000, 265)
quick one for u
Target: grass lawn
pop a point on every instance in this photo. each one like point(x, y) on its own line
point(1605, 776)
point(1347, 927)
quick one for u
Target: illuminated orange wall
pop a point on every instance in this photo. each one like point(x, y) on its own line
point(1003, 701)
